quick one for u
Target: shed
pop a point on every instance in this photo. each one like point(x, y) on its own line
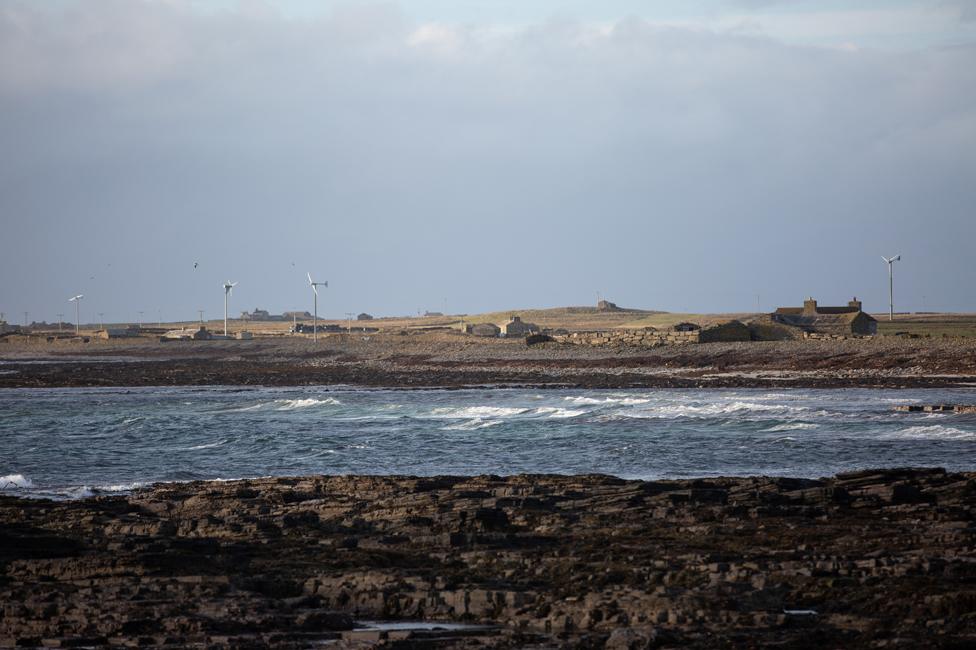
point(484, 329)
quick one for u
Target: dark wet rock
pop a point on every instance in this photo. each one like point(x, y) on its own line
point(878, 558)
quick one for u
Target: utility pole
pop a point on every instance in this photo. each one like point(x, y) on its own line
point(200, 311)
point(140, 319)
point(891, 289)
point(101, 320)
point(25, 318)
point(60, 319)
point(349, 316)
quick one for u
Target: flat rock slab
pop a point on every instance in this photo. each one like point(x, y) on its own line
point(877, 558)
point(937, 408)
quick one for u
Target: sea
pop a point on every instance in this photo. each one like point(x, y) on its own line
point(80, 442)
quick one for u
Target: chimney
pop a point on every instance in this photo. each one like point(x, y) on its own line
point(855, 304)
point(809, 306)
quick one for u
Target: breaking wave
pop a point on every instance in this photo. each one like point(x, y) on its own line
point(468, 412)
point(709, 410)
point(933, 432)
point(471, 425)
point(792, 426)
point(15, 481)
point(293, 404)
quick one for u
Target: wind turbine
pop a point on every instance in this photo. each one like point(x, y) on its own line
point(315, 318)
point(228, 286)
point(891, 291)
point(77, 301)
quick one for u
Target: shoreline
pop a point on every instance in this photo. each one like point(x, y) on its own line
point(119, 374)
point(434, 360)
point(855, 560)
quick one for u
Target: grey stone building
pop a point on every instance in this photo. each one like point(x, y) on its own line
point(839, 321)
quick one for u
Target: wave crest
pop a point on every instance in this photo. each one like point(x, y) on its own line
point(15, 482)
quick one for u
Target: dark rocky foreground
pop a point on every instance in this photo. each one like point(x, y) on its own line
point(873, 559)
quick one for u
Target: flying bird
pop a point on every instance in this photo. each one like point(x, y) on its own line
point(196, 264)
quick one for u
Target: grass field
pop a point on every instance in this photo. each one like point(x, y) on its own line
point(934, 325)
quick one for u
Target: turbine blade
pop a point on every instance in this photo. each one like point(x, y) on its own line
point(310, 279)
point(314, 289)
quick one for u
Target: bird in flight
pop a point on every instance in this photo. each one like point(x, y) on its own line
point(196, 264)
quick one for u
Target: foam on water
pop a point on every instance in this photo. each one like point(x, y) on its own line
point(467, 412)
point(471, 425)
point(292, 404)
point(607, 400)
point(15, 481)
point(792, 426)
point(934, 432)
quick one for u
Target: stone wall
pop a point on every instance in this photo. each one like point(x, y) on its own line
point(652, 338)
point(649, 338)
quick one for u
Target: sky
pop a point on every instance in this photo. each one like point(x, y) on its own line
point(436, 155)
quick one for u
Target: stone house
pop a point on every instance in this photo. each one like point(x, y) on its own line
point(518, 327)
point(837, 321)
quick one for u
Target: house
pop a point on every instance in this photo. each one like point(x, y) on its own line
point(518, 327)
point(260, 314)
point(364, 316)
point(838, 321)
point(483, 329)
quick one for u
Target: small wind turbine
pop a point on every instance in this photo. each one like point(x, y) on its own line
point(77, 301)
point(228, 286)
point(891, 291)
point(315, 317)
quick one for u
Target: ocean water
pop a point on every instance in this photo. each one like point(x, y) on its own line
point(76, 442)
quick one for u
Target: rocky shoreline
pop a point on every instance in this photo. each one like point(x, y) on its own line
point(880, 558)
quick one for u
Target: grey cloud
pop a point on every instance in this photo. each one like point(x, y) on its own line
point(669, 168)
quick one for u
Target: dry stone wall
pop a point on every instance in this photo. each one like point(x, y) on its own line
point(650, 338)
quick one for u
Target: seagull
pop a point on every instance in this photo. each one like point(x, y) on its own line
point(195, 264)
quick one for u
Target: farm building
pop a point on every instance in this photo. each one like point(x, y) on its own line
point(842, 321)
point(518, 327)
point(183, 334)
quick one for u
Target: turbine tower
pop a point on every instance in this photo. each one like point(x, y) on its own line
point(77, 301)
point(891, 289)
point(315, 314)
point(228, 286)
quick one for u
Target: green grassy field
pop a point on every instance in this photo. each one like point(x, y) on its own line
point(934, 325)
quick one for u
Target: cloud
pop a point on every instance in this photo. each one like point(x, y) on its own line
point(687, 168)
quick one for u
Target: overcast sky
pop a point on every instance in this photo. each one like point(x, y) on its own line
point(475, 156)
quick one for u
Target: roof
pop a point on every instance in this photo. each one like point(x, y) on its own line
point(820, 319)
